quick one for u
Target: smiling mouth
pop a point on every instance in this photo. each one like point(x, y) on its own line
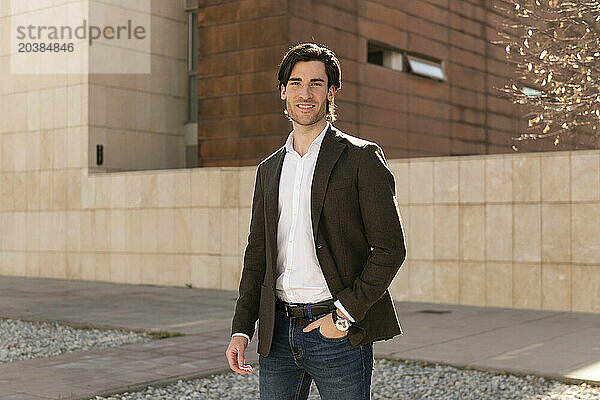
point(305, 106)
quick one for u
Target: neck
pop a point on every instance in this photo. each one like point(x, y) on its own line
point(304, 135)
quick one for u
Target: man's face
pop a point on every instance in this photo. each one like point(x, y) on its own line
point(306, 93)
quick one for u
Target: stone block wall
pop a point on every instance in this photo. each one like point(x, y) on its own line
point(517, 230)
point(243, 41)
point(240, 115)
point(139, 118)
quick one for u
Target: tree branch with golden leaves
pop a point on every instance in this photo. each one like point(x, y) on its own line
point(554, 46)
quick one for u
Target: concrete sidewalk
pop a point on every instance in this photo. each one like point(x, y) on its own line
point(552, 344)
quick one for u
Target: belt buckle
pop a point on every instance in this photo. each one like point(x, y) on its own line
point(287, 311)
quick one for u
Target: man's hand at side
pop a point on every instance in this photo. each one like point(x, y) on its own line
point(235, 355)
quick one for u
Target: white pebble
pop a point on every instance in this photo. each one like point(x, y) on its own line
point(21, 340)
point(391, 380)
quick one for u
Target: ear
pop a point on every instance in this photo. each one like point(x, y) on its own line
point(283, 94)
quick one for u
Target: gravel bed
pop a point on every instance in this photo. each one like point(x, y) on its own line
point(391, 380)
point(21, 340)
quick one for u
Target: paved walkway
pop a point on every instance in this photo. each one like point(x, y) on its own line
point(554, 344)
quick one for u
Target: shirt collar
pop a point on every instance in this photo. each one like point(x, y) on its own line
point(317, 142)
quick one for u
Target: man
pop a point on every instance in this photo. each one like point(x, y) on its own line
point(325, 243)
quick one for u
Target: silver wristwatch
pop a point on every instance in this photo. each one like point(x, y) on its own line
point(342, 324)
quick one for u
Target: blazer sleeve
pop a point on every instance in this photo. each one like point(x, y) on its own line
point(248, 301)
point(383, 230)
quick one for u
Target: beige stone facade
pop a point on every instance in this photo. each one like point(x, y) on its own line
point(503, 230)
point(53, 122)
point(139, 118)
point(515, 230)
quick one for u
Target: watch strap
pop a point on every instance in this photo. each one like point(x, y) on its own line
point(335, 315)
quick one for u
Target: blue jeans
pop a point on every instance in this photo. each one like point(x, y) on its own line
point(340, 370)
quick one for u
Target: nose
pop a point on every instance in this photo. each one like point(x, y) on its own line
point(305, 92)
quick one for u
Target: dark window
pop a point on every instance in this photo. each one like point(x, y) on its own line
point(385, 56)
point(401, 60)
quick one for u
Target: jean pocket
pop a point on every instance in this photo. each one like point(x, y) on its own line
point(328, 339)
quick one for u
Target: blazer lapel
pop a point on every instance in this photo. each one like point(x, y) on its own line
point(331, 149)
point(271, 196)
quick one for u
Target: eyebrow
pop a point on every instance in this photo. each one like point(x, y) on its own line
point(312, 80)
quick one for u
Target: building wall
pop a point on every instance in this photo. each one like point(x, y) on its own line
point(241, 43)
point(408, 115)
point(139, 118)
point(518, 230)
point(43, 161)
point(515, 230)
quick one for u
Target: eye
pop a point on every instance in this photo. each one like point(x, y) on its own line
point(295, 83)
point(316, 83)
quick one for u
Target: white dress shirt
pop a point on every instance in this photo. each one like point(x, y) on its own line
point(299, 276)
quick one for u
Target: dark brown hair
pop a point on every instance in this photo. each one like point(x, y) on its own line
point(313, 52)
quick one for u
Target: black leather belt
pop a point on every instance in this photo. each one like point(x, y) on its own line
point(305, 310)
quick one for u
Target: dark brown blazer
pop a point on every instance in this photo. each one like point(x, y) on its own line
point(358, 235)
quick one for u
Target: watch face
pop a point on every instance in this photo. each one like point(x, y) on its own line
point(342, 324)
